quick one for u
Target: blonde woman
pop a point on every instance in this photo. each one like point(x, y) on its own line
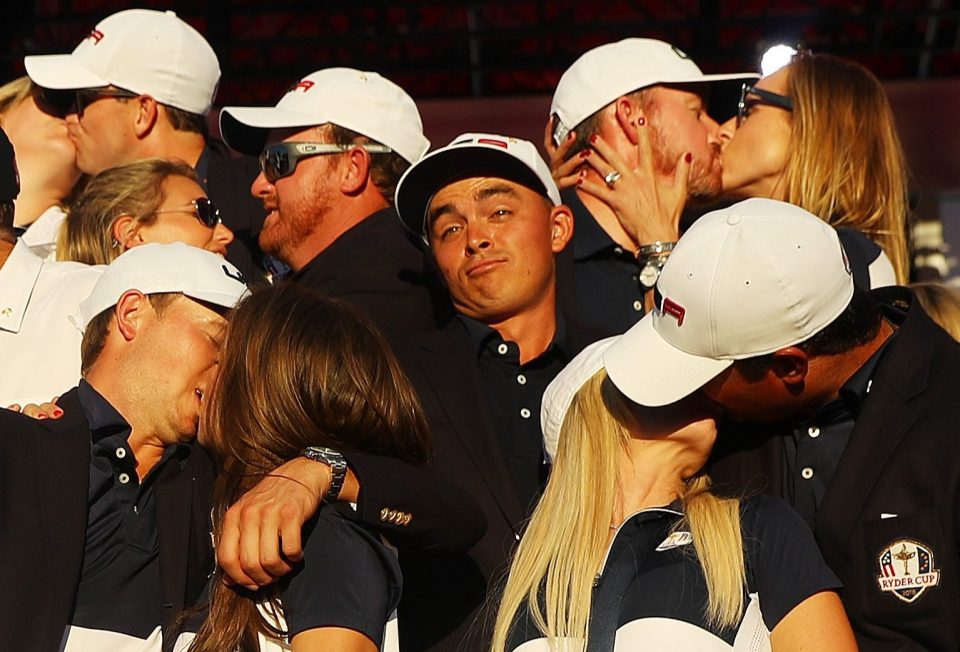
point(820, 134)
point(629, 549)
point(45, 159)
point(152, 200)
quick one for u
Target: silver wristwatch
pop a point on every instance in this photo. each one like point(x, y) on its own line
point(650, 272)
point(338, 468)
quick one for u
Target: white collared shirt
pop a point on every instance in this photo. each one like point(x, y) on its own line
point(41, 236)
point(39, 344)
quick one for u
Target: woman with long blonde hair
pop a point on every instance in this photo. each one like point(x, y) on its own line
point(819, 133)
point(299, 370)
point(630, 549)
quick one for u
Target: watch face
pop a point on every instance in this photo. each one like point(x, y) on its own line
point(649, 275)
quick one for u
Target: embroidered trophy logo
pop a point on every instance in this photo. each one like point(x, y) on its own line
point(907, 569)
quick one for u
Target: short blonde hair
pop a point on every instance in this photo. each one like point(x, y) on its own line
point(135, 189)
point(14, 92)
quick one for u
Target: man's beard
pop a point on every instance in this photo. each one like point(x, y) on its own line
point(705, 180)
point(293, 224)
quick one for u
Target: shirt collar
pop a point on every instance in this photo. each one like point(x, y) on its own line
point(18, 276)
point(854, 391)
point(43, 232)
point(589, 237)
point(482, 335)
point(103, 418)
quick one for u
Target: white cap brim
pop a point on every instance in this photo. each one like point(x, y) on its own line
point(652, 372)
point(61, 72)
point(245, 128)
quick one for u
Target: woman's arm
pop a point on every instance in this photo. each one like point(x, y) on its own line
point(332, 639)
point(817, 623)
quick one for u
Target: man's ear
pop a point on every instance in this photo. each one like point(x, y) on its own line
point(129, 313)
point(126, 231)
point(148, 111)
point(790, 366)
point(356, 175)
point(561, 221)
point(627, 112)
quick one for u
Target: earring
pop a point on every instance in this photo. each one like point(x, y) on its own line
point(115, 243)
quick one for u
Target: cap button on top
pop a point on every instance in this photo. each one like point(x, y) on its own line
point(733, 219)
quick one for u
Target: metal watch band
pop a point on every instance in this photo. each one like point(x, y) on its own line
point(338, 468)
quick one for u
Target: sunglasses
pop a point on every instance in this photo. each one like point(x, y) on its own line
point(760, 97)
point(280, 160)
point(61, 103)
point(203, 210)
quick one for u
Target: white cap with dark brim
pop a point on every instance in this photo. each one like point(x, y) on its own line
point(469, 155)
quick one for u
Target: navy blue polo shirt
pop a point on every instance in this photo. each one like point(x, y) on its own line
point(651, 592)
point(119, 598)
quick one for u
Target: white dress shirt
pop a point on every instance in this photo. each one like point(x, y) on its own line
point(39, 344)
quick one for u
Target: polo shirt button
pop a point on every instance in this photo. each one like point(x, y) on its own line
point(525, 413)
point(638, 306)
point(123, 478)
point(618, 250)
point(502, 349)
point(806, 473)
point(814, 432)
point(522, 379)
point(121, 453)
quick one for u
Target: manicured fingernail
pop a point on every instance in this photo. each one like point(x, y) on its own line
point(41, 415)
point(569, 135)
point(58, 412)
point(583, 173)
point(688, 157)
point(585, 153)
point(580, 181)
point(593, 138)
point(641, 121)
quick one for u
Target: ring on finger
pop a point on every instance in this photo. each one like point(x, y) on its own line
point(612, 177)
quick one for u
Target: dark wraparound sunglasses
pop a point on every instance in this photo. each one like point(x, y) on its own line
point(62, 103)
point(760, 96)
point(280, 160)
point(203, 210)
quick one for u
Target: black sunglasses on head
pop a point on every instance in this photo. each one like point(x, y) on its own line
point(203, 210)
point(761, 97)
point(280, 160)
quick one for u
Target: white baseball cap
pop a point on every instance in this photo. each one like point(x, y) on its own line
point(559, 394)
point(140, 50)
point(361, 101)
point(468, 155)
point(156, 268)
point(609, 71)
point(743, 281)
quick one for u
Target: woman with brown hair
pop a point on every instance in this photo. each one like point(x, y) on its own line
point(819, 133)
point(630, 549)
point(298, 370)
point(151, 200)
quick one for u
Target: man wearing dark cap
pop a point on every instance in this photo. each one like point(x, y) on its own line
point(491, 214)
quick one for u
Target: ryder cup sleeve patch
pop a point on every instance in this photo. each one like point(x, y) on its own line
point(907, 569)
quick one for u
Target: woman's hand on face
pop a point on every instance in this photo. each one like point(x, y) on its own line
point(647, 207)
point(565, 172)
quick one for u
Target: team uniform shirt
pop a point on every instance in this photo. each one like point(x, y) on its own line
point(348, 578)
point(513, 393)
point(609, 295)
point(41, 235)
point(39, 342)
point(119, 598)
point(652, 595)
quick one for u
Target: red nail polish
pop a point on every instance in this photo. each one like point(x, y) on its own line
point(569, 135)
point(42, 415)
point(580, 181)
point(641, 121)
point(584, 153)
point(58, 412)
point(688, 157)
point(593, 138)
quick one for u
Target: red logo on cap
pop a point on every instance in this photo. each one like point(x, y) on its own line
point(491, 141)
point(96, 35)
point(672, 308)
point(306, 85)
